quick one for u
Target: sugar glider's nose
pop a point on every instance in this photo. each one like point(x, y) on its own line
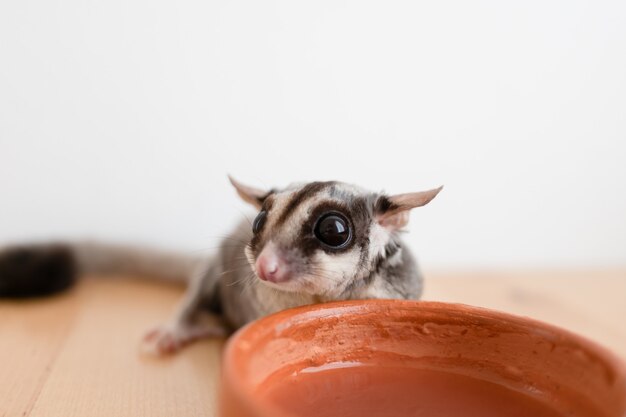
point(270, 266)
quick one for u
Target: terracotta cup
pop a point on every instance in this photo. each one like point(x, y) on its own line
point(561, 369)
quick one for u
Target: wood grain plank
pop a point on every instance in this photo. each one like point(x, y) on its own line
point(32, 334)
point(101, 371)
point(586, 302)
point(77, 354)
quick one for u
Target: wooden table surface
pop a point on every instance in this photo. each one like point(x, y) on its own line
point(78, 354)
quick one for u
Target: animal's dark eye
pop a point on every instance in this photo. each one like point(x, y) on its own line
point(259, 221)
point(333, 230)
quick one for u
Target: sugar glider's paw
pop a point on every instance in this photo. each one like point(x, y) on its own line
point(169, 339)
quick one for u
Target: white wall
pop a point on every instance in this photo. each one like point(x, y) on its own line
point(120, 119)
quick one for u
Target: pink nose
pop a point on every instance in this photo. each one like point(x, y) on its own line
point(270, 266)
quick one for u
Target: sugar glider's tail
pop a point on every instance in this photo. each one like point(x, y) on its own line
point(43, 269)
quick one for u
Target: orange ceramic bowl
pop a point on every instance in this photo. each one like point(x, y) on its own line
point(405, 358)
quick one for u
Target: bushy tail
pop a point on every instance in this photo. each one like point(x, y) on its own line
point(43, 269)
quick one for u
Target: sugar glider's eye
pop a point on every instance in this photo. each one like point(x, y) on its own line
point(259, 221)
point(333, 230)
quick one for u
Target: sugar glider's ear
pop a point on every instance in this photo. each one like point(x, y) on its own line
point(251, 195)
point(392, 212)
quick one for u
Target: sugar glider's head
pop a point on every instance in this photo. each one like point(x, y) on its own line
point(320, 237)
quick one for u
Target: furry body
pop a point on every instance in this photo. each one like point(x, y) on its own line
point(283, 261)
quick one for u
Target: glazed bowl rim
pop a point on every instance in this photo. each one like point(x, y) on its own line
point(244, 391)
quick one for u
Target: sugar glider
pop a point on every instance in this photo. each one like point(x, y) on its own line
point(309, 243)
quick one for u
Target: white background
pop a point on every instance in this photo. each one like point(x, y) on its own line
point(119, 119)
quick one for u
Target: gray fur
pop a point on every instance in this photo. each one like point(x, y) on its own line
point(224, 292)
point(391, 273)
